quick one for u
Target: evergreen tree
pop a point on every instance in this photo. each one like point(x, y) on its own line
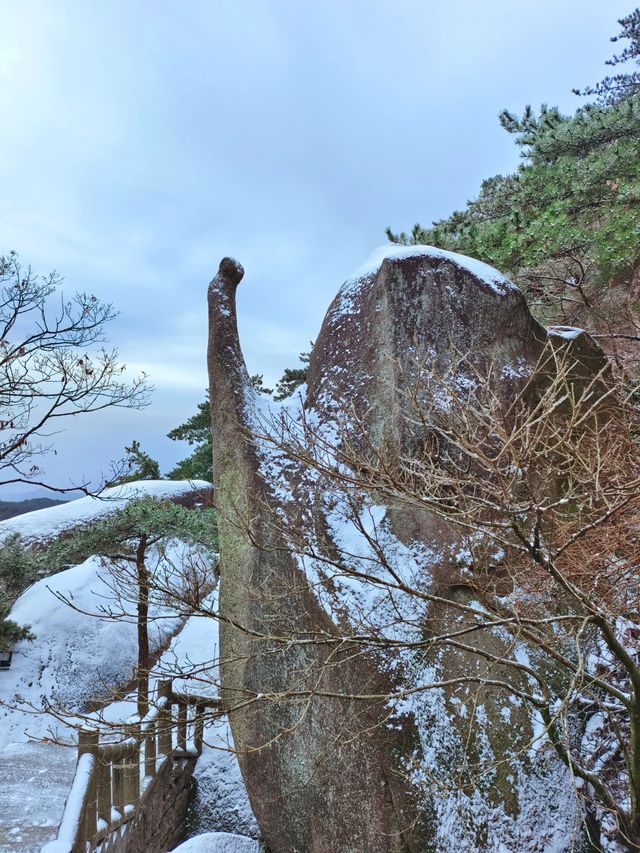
point(293, 377)
point(566, 225)
point(19, 567)
point(124, 540)
point(257, 380)
point(196, 431)
point(138, 466)
point(617, 87)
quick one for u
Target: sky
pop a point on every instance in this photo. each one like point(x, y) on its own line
point(143, 141)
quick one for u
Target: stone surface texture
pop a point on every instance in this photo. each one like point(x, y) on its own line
point(333, 772)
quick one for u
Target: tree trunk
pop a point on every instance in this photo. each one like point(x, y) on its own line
point(143, 627)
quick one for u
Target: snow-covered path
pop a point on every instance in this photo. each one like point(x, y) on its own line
point(78, 660)
point(73, 653)
point(35, 779)
point(75, 658)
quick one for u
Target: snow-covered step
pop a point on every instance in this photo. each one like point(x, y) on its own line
point(34, 782)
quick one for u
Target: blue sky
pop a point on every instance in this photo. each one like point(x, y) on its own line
point(142, 141)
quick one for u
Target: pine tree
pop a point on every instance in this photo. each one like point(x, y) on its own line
point(19, 567)
point(196, 431)
point(138, 466)
point(617, 87)
point(293, 377)
point(565, 225)
point(124, 541)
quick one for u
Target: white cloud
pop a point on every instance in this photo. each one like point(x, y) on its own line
point(143, 141)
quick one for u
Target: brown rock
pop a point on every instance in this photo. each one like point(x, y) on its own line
point(326, 773)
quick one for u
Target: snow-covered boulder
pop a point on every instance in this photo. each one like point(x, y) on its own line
point(219, 842)
point(43, 525)
point(325, 772)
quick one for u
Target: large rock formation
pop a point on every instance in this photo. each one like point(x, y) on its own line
point(325, 768)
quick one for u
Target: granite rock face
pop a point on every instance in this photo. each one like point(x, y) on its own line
point(330, 764)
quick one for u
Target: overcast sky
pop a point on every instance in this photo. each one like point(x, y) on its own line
point(144, 140)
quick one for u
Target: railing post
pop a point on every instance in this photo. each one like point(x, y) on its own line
point(150, 748)
point(182, 725)
point(104, 789)
point(198, 729)
point(117, 769)
point(132, 768)
point(164, 718)
point(88, 742)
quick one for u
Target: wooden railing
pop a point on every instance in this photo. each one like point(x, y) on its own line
point(113, 780)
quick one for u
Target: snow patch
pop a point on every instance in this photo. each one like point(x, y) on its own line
point(498, 282)
point(569, 333)
point(219, 842)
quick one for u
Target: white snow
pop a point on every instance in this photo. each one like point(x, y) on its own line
point(540, 825)
point(73, 809)
point(219, 842)
point(77, 657)
point(42, 524)
point(495, 279)
point(569, 333)
point(220, 799)
point(65, 659)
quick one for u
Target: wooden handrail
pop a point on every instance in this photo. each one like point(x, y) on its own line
point(107, 790)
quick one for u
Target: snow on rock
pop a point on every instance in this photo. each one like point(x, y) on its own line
point(76, 656)
point(219, 842)
point(220, 800)
point(409, 318)
point(465, 814)
point(496, 280)
point(44, 524)
point(191, 661)
point(569, 333)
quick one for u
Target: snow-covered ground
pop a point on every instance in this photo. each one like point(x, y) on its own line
point(43, 524)
point(77, 659)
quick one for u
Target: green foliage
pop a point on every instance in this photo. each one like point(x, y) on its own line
point(197, 429)
point(257, 381)
point(138, 466)
point(293, 377)
point(617, 87)
point(11, 633)
point(138, 575)
point(118, 535)
point(577, 194)
point(570, 215)
point(197, 466)
point(20, 566)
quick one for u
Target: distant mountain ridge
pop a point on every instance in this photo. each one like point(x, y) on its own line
point(9, 509)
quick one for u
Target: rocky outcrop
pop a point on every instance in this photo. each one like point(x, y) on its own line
point(315, 781)
point(328, 770)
